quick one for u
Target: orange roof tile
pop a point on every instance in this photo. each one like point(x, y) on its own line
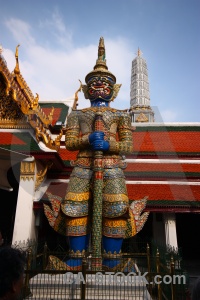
point(163, 167)
point(7, 138)
point(164, 192)
point(67, 155)
point(166, 141)
point(56, 113)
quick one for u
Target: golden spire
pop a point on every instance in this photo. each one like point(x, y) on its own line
point(101, 60)
point(139, 52)
point(16, 70)
point(100, 67)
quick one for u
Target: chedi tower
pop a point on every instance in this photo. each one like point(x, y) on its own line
point(140, 108)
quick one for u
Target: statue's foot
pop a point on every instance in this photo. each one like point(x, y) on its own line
point(111, 264)
point(129, 266)
point(74, 264)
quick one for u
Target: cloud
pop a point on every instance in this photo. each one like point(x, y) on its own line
point(20, 31)
point(55, 26)
point(54, 73)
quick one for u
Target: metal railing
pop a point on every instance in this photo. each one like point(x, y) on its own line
point(140, 275)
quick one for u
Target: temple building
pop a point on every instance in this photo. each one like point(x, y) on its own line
point(35, 165)
point(140, 108)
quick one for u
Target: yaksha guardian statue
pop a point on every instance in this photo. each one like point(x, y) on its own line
point(96, 202)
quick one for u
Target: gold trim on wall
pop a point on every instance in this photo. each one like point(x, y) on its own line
point(27, 170)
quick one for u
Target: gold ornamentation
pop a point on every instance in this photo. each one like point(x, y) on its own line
point(5, 77)
point(77, 197)
point(55, 263)
point(109, 254)
point(115, 91)
point(27, 170)
point(96, 109)
point(10, 113)
point(114, 222)
point(77, 221)
point(115, 197)
point(139, 52)
point(40, 176)
point(16, 70)
point(42, 134)
point(100, 68)
point(78, 253)
point(76, 96)
point(142, 118)
point(138, 218)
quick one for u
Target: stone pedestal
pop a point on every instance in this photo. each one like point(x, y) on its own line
point(97, 286)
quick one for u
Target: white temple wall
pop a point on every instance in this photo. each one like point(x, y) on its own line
point(24, 227)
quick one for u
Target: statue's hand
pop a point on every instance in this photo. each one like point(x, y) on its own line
point(100, 145)
point(97, 135)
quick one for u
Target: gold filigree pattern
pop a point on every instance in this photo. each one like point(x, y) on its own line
point(9, 111)
point(42, 134)
point(40, 176)
point(77, 221)
point(77, 197)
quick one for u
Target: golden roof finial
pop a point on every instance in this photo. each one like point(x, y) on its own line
point(16, 70)
point(76, 96)
point(139, 52)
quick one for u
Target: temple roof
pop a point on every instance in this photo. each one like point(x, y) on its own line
point(167, 140)
point(159, 142)
point(170, 196)
point(20, 109)
point(60, 111)
point(18, 141)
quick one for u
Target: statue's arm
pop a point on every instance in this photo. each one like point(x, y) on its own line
point(73, 139)
point(125, 143)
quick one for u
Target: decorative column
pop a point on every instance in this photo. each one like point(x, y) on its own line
point(170, 229)
point(24, 227)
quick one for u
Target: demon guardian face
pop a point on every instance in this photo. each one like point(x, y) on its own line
point(100, 87)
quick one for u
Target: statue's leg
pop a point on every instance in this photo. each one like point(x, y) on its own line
point(78, 245)
point(115, 208)
point(76, 208)
point(113, 235)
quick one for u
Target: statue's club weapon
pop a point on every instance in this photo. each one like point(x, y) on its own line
point(97, 199)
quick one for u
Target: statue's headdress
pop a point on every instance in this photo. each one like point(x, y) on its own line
point(101, 69)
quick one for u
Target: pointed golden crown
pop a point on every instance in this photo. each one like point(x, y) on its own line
point(100, 68)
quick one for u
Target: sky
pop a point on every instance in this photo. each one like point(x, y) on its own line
point(59, 42)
